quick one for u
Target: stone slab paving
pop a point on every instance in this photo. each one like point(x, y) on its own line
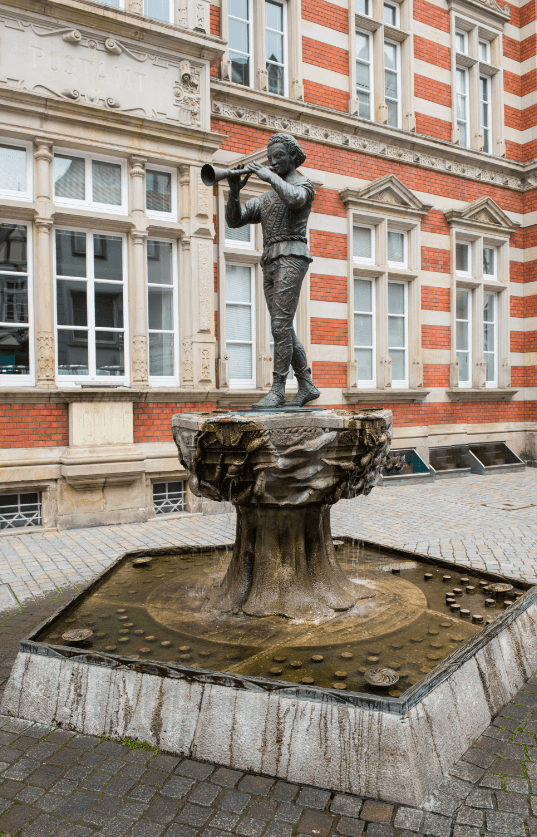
point(459, 519)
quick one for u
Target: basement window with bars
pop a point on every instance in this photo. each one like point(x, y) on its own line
point(20, 511)
point(169, 497)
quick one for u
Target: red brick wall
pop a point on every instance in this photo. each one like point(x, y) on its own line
point(152, 420)
point(433, 127)
point(432, 90)
point(328, 245)
point(435, 299)
point(328, 202)
point(324, 55)
point(432, 52)
point(326, 14)
point(215, 20)
point(435, 222)
point(331, 332)
point(435, 337)
point(431, 14)
point(435, 375)
point(33, 425)
point(411, 415)
point(326, 374)
point(328, 288)
point(436, 260)
point(326, 97)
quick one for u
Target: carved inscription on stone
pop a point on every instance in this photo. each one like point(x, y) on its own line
point(96, 69)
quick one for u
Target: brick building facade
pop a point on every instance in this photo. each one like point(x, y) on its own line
point(124, 297)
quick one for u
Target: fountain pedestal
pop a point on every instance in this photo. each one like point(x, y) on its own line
point(282, 472)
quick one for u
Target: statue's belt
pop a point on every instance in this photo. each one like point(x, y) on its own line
point(276, 239)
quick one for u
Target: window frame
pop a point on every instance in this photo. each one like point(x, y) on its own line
point(397, 16)
point(232, 243)
point(362, 383)
point(486, 43)
point(494, 383)
point(397, 383)
point(171, 17)
point(369, 35)
point(24, 380)
point(398, 265)
point(490, 277)
point(165, 380)
point(486, 130)
point(251, 46)
point(73, 203)
point(465, 384)
point(468, 244)
point(458, 34)
point(285, 33)
point(168, 482)
point(27, 195)
point(372, 258)
point(368, 4)
point(152, 213)
point(78, 380)
point(398, 101)
point(244, 383)
point(466, 121)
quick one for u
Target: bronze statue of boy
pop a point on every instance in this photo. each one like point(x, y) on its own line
point(283, 214)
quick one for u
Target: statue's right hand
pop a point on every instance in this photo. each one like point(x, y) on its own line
point(236, 180)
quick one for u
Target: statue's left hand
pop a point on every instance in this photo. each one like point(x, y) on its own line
point(262, 172)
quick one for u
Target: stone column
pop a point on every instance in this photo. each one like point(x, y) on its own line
point(43, 278)
point(138, 324)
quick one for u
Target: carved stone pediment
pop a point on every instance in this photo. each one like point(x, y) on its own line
point(387, 191)
point(485, 214)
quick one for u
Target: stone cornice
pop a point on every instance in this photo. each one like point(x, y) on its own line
point(478, 395)
point(270, 113)
point(385, 396)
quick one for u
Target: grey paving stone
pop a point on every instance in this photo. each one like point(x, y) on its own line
point(118, 786)
point(350, 827)
point(194, 815)
point(76, 806)
point(179, 829)
point(343, 803)
point(441, 803)
point(65, 787)
point(226, 778)
point(43, 825)
point(144, 828)
point(21, 769)
point(492, 780)
point(466, 831)
point(469, 816)
point(514, 802)
point(224, 820)
point(467, 772)
point(163, 810)
point(163, 762)
point(144, 793)
point(284, 792)
point(195, 769)
point(103, 811)
point(256, 785)
point(95, 782)
point(133, 810)
point(313, 798)
point(29, 794)
point(410, 818)
point(49, 802)
point(204, 793)
point(278, 829)
point(514, 784)
point(506, 824)
point(434, 825)
point(287, 812)
point(379, 829)
point(234, 801)
point(480, 798)
point(116, 827)
point(250, 827)
point(75, 831)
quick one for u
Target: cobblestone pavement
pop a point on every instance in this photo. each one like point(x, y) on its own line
point(459, 519)
point(57, 783)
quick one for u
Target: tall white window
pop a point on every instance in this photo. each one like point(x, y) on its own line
point(90, 305)
point(15, 171)
point(159, 10)
point(363, 7)
point(490, 338)
point(462, 106)
point(364, 73)
point(275, 33)
point(463, 336)
point(240, 41)
point(240, 237)
point(397, 332)
point(86, 182)
point(160, 193)
point(364, 331)
point(461, 42)
point(489, 262)
point(363, 244)
point(462, 258)
point(391, 14)
point(240, 325)
point(392, 86)
point(162, 311)
point(484, 111)
point(15, 334)
point(397, 246)
point(484, 51)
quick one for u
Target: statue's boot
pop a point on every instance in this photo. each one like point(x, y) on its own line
point(307, 391)
point(275, 397)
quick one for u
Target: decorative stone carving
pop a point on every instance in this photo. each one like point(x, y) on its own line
point(206, 293)
point(139, 358)
point(45, 356)
point(376, 148)
point(203, 197)
point(283, 472)
point(205, 365)
point(188, 363)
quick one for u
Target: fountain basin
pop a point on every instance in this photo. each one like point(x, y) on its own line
point(393, 747)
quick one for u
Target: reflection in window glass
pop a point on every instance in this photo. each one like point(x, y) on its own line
point(364, 73)
point(463, 335)
point(397, 331)
point(239, 41)
point(390, 14)
point(484, 51)
point(391, 82)
point(489, 261)
point(239, 323)
point(396, 247)
point(69, 177)
point(108, 257)
point(12, 168)
point(161, 309)
point(275, 46)
point(489, 336)
point(484, 111)
point(462, 106)
point(158, 191)
point(364, 348)
point(14, 314)
point(70, 253)
point(460, 42)
point(462, 258)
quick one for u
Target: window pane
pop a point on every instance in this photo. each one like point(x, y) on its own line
point(488, 261)
point(159, 263)
point(462, 336)
point(464, 366)
point(238, 322)
point(460, 42)
point(109, 351)
point(393, 116)
point(274, 47)
point(240, 234)
point(390, 56)
point(396, 331)
point(461, 81)
point(158, 9)
point(484, 50)
point(72, 352)
point(463, 137)
point(239, 8)
point(488, 308)
point(108, 305)
point(160, 308)
point(240, 362)
point(489, 360)
point(361, 242)
point(239, 34)
point(106, 183)
point(365, 364)
point(396, 298)
point(462, 258)
point(161, 359)
point(463, 305)
point(390, 84)
point(363, 298)
point(158, 191)
point(13, 256)
point(362, 7)
point(69, 177)
point(71, 302)
point(70, 253)
point(108, 257)
point(13, 299)
point(14, 351)
point(398, 364)
point(362, 75)
point(362, 46)
point(12, 168)
point(363, 329)
point(275, 79)
point(240, 69)
point(390, 15)
point(396, 247)
point(488, 337)
point(238, 283)
point(364, 105)
point(274, 15)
